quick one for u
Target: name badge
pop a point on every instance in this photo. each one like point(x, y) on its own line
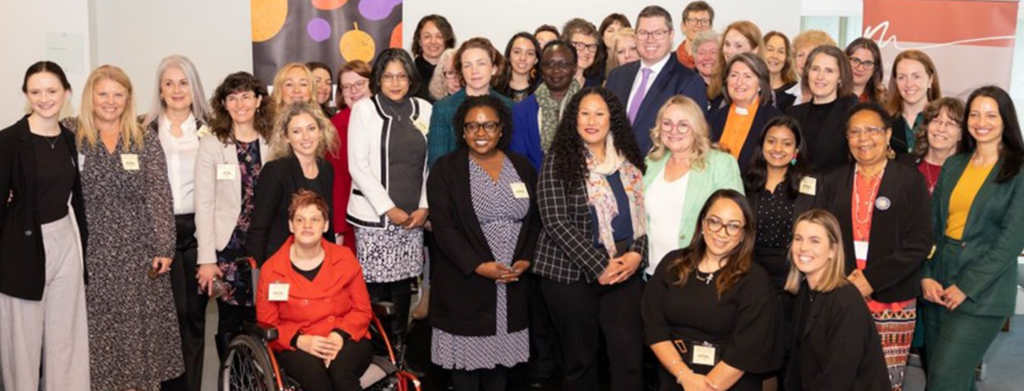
point(226, 172)
point(704, 355)
point(278, 291)
point(130, 161)
point(422, 125)
point(519, 190)
point(808, 185)
point(860, 249)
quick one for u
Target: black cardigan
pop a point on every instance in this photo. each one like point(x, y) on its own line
point(765, 113)
point(22, 258)
point(901, 232)
point(462, 301)
point(835, 344)
point(826, 143)
point(279, 180)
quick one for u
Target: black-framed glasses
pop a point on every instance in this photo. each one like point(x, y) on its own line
point(699, 21)
point(656, 34)
point(490, 127)
point(714, 224)
point(581, 46)
point(856, 62)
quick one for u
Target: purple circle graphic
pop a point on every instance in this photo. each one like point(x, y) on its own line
point(377, 9)
point(318, 29)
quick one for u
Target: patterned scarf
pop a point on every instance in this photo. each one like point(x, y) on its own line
point(551, 111)
point(601, 197)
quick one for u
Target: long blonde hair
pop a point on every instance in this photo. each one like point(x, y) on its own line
point(701, 142)
point(277, 96)
point(279, 146)
point(835, 269)
point(131, 131)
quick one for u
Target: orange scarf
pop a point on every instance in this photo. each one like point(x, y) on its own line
point(737, 127)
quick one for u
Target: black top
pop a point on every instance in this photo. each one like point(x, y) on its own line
point(279, 180)
point(783, 99)
point(622, 223)
point(824, 129)
point(464, 303)
point(308, 274)
point(742, 322)
point(835, 343)
point(901, 227)
point(56, 175)
point(22, 258)
point(426, 71)
point(407, 151)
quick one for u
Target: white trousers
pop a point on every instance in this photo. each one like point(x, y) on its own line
point(54, 329)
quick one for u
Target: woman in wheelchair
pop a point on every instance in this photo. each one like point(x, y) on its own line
point(312, 291)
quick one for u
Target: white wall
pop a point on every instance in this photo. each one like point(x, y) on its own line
point(136, 35)
point(28, 26)
point(500, 20)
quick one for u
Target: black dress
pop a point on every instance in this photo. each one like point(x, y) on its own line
point(741, 324)
point(824, 128)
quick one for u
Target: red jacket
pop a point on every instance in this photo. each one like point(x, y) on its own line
point(335, 299)
point(342, 179)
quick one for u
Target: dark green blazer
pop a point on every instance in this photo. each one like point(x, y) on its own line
point(985, 268)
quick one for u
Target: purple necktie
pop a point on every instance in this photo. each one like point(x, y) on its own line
point(638, 96)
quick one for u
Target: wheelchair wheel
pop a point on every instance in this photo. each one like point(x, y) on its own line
point(248, 366)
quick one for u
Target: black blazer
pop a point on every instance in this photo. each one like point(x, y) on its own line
point(279, 180)
point(674, 79)
point(462, 301)
point(764, 113)
point(826, 143)
point(835, 344)
point(901, 234)
point(22, 258)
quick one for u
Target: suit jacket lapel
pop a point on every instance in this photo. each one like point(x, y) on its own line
point(879, 218)
point(844, 196)
point(652, 99)
point(981, 199)
point(464, 192)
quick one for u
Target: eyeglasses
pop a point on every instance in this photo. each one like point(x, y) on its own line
point(870, 131)
point(699, 22)
point(491, 127)
point(394, 77)
point(856, 62)
point(681, 127)
point(353, 86)
point(581, 46)
point(656, 34)
point(945, 124)
point(714, 224)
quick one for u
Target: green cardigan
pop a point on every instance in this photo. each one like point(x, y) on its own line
point(985, 269)
point(720, 172)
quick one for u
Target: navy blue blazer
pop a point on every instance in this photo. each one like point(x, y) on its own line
point(525, 139)
point(716, 121)
point(674, 79)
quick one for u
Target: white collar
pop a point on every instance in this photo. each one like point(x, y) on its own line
point(656, 67)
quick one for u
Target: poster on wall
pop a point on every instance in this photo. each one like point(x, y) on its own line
point(970, 41)
point(329, 31)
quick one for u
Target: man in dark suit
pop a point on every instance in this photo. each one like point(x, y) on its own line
point(643, 86)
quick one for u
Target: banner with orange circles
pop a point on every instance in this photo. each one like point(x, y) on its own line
point(329, 31)
point(970, 41)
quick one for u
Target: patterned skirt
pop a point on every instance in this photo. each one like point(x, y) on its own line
point(467, 353)
point(389, 254)
point(896, 328)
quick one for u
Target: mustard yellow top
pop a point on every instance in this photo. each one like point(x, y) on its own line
point(962, 197)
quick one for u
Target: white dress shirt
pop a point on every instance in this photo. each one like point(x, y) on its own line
point(181, 162)
point(655, 70)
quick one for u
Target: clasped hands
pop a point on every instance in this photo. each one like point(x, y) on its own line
point(324, 348)
point(503, 274)
point(951, 297)
point(620, 268)
point(412, 220)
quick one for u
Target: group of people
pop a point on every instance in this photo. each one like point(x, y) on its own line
point(744, 212)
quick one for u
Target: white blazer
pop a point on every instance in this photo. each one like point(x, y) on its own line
point(218, 200)
point(368, 135)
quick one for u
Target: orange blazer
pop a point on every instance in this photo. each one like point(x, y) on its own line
point(335, 299)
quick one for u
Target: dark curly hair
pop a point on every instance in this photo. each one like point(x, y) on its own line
point(567, 148)
point(504, 118)
point(739, 258)
point(263, 120)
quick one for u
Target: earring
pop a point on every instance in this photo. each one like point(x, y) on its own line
point(793, 162)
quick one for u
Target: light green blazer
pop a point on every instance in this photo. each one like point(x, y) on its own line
point(720, 172)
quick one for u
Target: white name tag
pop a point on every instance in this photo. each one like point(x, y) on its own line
point(519, 190)
point(130, 161)
point(860, 249)
point(422, 125)
point(808, 185)
point(226, 172)
point(278, 291)
point(704, 355)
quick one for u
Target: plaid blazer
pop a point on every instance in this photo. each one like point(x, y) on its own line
point(565, 249)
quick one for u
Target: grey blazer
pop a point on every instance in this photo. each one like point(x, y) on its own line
point(218, 201)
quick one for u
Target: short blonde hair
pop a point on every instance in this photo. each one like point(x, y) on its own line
point(701, 142)
point(438, 84)
point(835, 270)
point(277, 96)
point(813, 38)
point(279, 146)
point(613, 60)
point(131, 131)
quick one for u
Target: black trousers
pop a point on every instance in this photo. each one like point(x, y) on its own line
point(581, 312)
point(544, 354)
point(400, 293)
point(481, 379)
point(190, 305)
point(342, 375)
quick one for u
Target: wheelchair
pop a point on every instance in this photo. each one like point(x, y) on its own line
point(250, 365)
